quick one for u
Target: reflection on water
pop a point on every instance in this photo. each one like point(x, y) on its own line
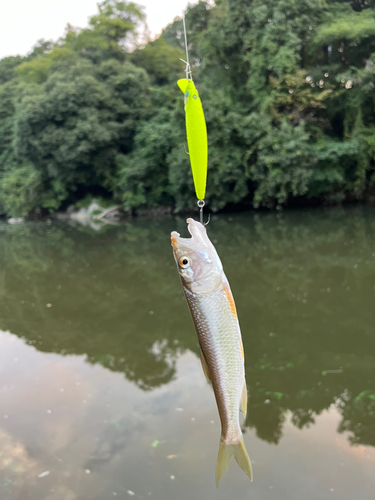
point(100, 381)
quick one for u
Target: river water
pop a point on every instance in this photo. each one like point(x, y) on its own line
point(101, 390)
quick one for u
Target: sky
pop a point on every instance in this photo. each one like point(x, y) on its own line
point(24, 22)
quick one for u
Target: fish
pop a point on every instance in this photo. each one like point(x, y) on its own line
point(196, 132)
point(214, 314)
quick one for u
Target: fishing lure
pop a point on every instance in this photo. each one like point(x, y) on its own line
point(196, 132)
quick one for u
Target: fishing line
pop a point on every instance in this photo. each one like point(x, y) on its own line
point(188, 73)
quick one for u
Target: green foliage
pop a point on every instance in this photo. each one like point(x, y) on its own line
point(74, 126)
point(143, 179)
point(288, 90)
point(19, 190)
point(111, 30)
point(37, 69)
point(284, 164)
point(160, 60)
point(8, 96)
point(349, 26)
point(7, 68)
point(328, 177)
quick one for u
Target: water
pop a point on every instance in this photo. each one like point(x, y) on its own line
point(101, 390)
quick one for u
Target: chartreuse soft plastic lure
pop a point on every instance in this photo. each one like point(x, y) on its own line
point(196, 135)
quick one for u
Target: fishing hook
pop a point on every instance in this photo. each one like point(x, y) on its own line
point(201, 204)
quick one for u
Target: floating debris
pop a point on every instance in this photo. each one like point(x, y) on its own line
point(155, 443)
point(325, 372)
point(43, 474)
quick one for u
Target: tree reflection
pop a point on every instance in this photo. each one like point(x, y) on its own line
point(359, 417)
point(303, 282)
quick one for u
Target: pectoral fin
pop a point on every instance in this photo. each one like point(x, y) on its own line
point(243, 406)
point(205, 366)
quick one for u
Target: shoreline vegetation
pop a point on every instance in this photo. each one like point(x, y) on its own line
point(288, 91)
point(117, 213)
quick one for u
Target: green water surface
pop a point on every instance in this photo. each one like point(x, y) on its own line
point(101, 390)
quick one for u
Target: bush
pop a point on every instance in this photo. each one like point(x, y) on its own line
point(20, 188)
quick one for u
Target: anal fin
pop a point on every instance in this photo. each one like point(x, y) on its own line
point(243, 405)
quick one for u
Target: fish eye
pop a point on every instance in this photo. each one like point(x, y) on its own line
point(184, 262)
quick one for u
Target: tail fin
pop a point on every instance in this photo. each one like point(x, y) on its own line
point(226, 451)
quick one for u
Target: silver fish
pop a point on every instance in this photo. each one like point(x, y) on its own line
point(212, 307)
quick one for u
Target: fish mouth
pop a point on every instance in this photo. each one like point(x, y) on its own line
point(198, 235)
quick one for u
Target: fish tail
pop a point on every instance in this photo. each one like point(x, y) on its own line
point(238, 451)
point(242, 458)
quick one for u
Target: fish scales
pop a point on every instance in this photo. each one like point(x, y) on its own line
point(219, 338)
point(212, 307)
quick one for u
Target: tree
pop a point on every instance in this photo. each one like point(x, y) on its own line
point(73, 126)
point(160, 60)
point(20, 187)
point(7, 68)
point(112, 33)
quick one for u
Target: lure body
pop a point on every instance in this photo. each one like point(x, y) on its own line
point(214, 314)
point(196, 132)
